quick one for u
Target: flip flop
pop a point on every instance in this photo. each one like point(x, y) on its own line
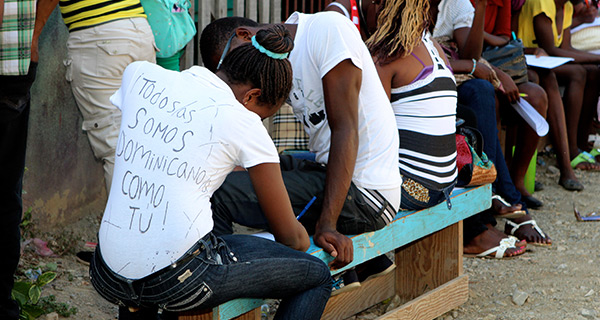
point(534, 225)
point(571, 185)
point(583, 157)
point(509, 215)
point(498, 251)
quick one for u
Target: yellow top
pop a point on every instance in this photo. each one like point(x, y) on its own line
point(80, 14)
point(533, 8)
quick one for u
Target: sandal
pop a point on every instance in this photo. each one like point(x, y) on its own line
point(534, 225)
point(498, 251)
point(585, 158)
point(509, 215)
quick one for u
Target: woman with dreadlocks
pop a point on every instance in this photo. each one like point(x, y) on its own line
point(418, 80)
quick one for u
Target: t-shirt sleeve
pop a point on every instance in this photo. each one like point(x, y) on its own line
point(463, 16)
point(333, 39)
point(502, 26)
point(128, 76)
point(253, 143)
point(568, 18)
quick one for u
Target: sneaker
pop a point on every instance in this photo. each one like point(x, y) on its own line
point(84, 257)
point(345, 282)
point(376, 267)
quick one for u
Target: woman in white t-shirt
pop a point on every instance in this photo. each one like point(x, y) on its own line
point(181, 134)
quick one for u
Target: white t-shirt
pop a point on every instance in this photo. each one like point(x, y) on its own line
point(322, 41)
point(453, 15)
point(181, 134)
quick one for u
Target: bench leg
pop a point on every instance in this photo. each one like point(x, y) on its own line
point(433, 263)
point(195, 315)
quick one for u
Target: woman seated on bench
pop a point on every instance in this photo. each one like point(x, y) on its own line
point(181, 134)
point(419, 82)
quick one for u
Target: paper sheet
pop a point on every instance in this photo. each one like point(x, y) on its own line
point(532, 117)
point(264, 235)
point(546, 61)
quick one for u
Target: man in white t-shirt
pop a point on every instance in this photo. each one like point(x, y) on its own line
point(355, 185)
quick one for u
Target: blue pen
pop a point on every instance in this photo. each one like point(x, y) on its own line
point(514, 36)
point(306, 208)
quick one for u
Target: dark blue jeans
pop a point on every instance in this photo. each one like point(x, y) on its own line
point(222, 269)
point(478, 97)
point(14, 119)
point(236, 201)
point(410, 197)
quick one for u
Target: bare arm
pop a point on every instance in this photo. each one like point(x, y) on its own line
point(44, 9)
point(495, 41)
point(341, 86)
point(543, 33)
point(470, 40)
point(275, 203)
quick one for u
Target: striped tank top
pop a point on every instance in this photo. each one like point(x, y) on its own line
point(81, 14)
point(425, 113)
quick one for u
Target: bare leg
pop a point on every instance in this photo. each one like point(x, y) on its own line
point(557, 122)
point(528, 138)
point(573, 77)
point(590, 100)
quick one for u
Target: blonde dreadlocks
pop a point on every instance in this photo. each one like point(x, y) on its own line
point(400, 26)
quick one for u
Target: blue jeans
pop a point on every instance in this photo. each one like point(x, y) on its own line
point(478, 97)
point(423, 197)
point(219, 269)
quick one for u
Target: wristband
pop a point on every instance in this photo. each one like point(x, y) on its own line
point(474, 67)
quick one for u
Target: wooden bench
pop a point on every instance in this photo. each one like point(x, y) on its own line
point(429, 278)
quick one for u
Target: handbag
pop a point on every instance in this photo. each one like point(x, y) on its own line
point(510, 59)
point(171, 24)
point(473, 166)
point(450, 48)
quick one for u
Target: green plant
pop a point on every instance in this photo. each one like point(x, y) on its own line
point(27, 294)
point(26, 223)
point(49, 304)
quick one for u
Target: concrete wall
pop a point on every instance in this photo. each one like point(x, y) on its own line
point(63, 181)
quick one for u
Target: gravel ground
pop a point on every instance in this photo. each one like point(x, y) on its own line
point(558, 282)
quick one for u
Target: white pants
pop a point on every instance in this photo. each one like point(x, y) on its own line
point(97, 57)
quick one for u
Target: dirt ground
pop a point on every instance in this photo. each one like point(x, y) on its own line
point(559, 282)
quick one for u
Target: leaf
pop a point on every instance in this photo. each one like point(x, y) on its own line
point(34, 294)
point(20, 297)
point(46, 278)
point(33, 311)
point(51, 266)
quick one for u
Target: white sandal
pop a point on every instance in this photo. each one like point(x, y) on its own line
point(534, 225)
point(510, 215)
point(500, 249)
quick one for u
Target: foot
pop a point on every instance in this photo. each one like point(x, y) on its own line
point(528, 232)
point(571, 184)
point(531, 201)
point(585, 161)
point(376, 267)
point(503, 209)
point(490, 239)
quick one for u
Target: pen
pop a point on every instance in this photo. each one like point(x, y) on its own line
point(306, 208)
point(524, 95)
point(514, 36)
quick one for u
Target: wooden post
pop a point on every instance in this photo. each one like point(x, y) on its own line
point(238, 8)
point(429, 262)
point(252, 9)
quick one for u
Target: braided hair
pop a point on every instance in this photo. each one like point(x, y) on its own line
point(400, 25)
point(246, 64)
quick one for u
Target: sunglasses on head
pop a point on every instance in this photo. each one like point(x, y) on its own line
point(225, 50)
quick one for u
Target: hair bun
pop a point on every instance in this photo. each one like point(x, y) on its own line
point(275, 39)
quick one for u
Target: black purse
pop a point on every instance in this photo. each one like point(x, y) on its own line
point(510, 59)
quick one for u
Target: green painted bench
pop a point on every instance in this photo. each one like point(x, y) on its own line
point(428, 253)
